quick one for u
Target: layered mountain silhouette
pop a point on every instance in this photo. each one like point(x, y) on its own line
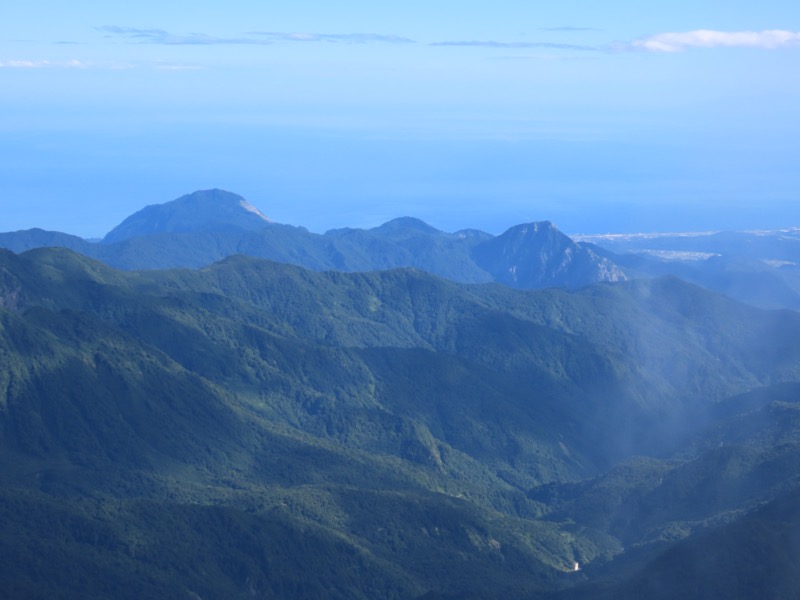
point(760, 268)
point(291, 428)
point(201, 228)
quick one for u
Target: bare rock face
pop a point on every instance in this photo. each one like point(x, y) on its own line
point(535, 255)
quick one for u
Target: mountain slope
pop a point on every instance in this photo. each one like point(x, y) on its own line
point(20, 241)
point(391, 420)
point(127, 397)
point(208, 210)
point(755, 556)
point(641, 350)
point(538, 255)
point(409, 242)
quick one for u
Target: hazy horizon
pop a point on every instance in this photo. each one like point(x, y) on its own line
point(600, 119)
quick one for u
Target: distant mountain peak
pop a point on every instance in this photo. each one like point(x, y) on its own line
point(536, 227)
point(537, 254)
point(406, 225)
point(203, 210)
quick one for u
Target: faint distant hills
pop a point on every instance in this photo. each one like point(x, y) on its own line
point(775, 246)
point(758, 267)
point(206, 226)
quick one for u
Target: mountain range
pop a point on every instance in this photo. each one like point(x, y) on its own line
point(760, 268)
point(414, 428)
point(201, 228)
point(251, 428)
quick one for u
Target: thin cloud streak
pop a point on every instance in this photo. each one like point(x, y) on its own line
point(570, 28)
point(43, 64)
point(351, 38)
point(669, 42)
point(159, 36)
point(96, 66)
point(493, 44)
point(708, 38)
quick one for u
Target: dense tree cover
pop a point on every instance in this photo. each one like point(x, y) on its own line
point(257, 429)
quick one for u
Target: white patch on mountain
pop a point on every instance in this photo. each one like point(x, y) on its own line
point(250, 208)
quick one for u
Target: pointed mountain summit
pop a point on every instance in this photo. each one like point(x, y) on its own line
point(201, 211)
point(536, 255)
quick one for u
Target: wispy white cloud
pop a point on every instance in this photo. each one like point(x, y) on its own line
point(43, 64)
point(570, 28)
point(662, 42)
point(350, 38)
point(493, 44)
point(96, 65)
point(159, 36)
point(543, 56)
point(708, 38)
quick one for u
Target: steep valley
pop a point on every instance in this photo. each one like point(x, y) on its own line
point(257, 429)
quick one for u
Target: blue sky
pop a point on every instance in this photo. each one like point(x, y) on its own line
point(612, 116)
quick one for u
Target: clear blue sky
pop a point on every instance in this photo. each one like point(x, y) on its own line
point(599, 116)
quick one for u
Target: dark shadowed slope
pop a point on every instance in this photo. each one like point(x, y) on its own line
point(755, 556)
